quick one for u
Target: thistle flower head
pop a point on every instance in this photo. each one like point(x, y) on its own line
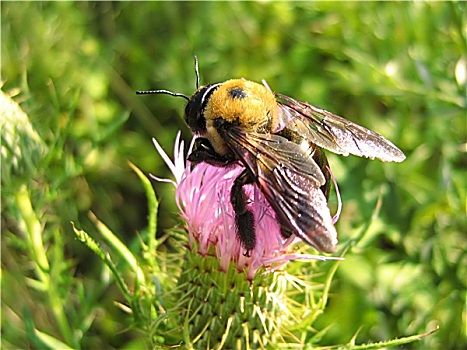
point(203, 197)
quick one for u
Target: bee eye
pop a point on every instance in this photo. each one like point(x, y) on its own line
point(194, 110)
point(193, 114)
point(237, 93)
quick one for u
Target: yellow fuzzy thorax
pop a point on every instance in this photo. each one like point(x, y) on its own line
point(256, 108)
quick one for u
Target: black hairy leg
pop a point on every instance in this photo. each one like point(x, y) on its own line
point(204, 152)
point(244, 218)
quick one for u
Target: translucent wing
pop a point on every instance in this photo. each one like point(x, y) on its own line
point(290, 180)
point(335, 133)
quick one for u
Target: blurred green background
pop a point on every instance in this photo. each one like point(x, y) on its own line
point(74, 67)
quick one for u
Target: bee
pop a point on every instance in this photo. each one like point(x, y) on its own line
point(279, 141)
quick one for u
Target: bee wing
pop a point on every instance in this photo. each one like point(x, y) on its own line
point(290, 180)
point(335, 133)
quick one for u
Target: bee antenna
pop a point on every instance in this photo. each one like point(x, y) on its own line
point(197, 72)
point(167, 92)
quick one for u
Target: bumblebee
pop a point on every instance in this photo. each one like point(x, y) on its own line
point(278, 140)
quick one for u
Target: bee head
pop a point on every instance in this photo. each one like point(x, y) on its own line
point(194, 110)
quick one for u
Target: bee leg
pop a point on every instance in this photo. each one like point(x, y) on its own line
point(244, 218)
point(204, 152)
point(320, 158)
point(285, 232)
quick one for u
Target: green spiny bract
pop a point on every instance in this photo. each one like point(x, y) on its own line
point(217, 309)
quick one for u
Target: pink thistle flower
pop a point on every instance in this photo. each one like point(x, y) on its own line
point(203, 197)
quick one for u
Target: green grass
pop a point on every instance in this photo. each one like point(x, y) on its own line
point(73, 68)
